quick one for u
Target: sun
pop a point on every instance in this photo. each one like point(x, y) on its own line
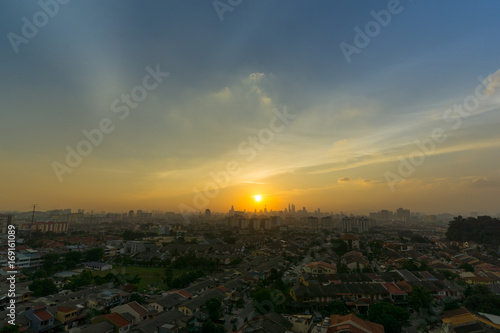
point(257, 197)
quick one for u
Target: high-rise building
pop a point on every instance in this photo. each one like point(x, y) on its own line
point(346, 224)
point(403, 214)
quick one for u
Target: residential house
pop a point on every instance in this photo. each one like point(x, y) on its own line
point(300, 323)
point(351, 240)
point(320, 267)
point(355, 260)
point(352, 323)
point(67, 315)
point(168, 302)
point(138, 312)
point(396, 295)
point(121, 324)
point(271, 322)
point(97, 266)
point(40, 318)
point(460, 320)
point(167, 322)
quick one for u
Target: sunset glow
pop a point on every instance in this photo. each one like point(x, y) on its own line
point(174, 107)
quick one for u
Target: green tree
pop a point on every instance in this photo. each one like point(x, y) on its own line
point(132, 235)
point(72, 259)
point(49, 261)
point(335, 307)
point(340, 247)
point(94, 254)
point(209, 327)
point(75, 256)
point(43, 287)
point(480, 299)
point(420, 298)
point(240, 303)
point(467, 267)
point(10, 329)
point(213, 306)
point(342, 268)
point(392, 317)
point(267, 300)
point(138, 298)
point(451, 304)
point(84, 279)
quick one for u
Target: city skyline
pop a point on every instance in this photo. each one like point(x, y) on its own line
point(181, 107)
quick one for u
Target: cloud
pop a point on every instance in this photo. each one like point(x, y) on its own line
point(483, 182)
point(495, 82)
point(344, 180)
point(256, 76)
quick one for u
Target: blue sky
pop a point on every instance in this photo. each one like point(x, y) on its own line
point(352, 120)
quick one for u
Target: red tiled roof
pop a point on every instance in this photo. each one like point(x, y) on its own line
point(184, 293)
point(345, 328)
point(321, 263)
point(65, 309)
point(337, 321)
point(117, 319)
point(393, 289)
point(43, 314)
point(404, 286)
point(138, 308)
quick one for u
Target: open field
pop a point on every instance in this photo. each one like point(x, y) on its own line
point(148, 275)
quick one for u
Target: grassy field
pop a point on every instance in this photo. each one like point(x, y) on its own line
point(148, 274)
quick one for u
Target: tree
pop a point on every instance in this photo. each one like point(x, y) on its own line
point(209, 327)
point(340, 247)
point(136, 297)
point(49, 261)
point(342, 268)
point(420, 298)
point(131, 235)
point(72, 258)
point(43, 287)
point(94, 254)
point(480, 299)
point(213, 306)
point(75, 256)
point(240, 303)
point(84, 279)
point(467, 267)
point(392, 317)
point(335, 307)
point(10, 329)
point(267, 300)
point(483, 230)
point(451, 304)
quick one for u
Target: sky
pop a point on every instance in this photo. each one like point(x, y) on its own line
point(350, 106)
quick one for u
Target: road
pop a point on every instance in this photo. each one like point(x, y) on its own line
point(240, 315)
